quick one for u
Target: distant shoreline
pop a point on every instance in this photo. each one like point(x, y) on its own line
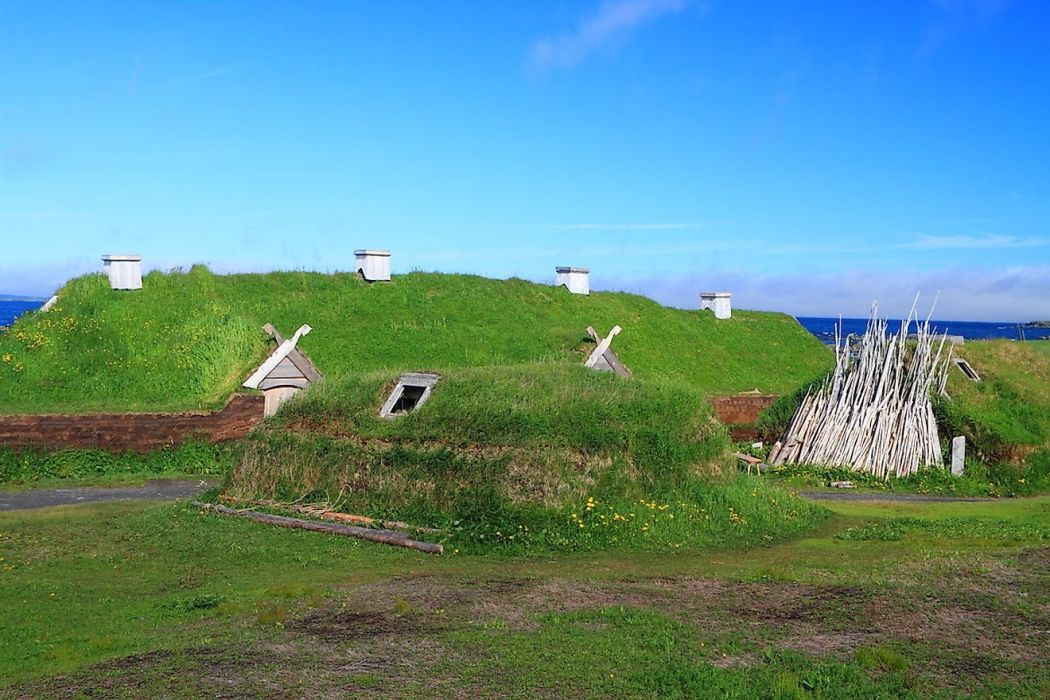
point(15, 297)
point(824, 328)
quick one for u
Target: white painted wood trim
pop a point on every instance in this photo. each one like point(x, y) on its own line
point(275, 359)
point(602, 347)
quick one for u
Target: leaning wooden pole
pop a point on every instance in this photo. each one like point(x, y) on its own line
point(391, 537)
point(874, 413)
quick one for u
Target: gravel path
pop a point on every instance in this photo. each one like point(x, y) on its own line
point(153, 490)
point(900, 497)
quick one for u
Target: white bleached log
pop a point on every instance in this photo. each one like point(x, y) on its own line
point(874, 413)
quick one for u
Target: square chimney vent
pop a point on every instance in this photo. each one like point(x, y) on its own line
point(575, 279)
point(411, 392)
point(372, 265)
point(124, 271)
point(719, 302)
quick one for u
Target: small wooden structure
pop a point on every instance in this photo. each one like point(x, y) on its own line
point(576, 279)
point(873, 414)
point(285, 372)
point(123, 271)
point(721, 303)
point(373, 265)
point(603, 358)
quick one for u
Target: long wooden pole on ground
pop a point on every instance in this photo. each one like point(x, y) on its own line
point(391, 537)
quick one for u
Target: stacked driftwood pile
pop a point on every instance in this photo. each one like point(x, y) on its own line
point(874, 413)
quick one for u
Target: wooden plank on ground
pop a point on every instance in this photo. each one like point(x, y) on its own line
point(391, 537)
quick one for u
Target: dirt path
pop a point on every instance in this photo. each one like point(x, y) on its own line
point(899, 497)
point(153, 490)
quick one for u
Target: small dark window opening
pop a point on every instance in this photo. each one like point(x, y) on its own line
point(411, 392)
point(410, 396)
point(967, 369)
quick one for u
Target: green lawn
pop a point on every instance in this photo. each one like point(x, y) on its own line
point(186, 340)
point(133, 600)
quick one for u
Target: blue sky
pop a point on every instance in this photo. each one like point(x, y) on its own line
point(811, 157)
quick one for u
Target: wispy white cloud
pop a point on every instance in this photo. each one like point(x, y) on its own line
point(991, 240)
point(633, 227)
point(970, 293)
point(613, 21)
point(197, 77)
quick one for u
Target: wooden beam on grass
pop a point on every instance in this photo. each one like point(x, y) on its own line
point(317, 510)
point(391, 537)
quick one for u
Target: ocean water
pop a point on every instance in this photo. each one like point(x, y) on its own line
point(10, 310)
point(824, 328)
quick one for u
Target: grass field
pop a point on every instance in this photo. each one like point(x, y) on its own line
point(186, 340)
point(885, 600)
point(1010, 406)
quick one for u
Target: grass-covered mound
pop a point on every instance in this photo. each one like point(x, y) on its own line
point(1007, 413)
point(187, 339)
point(530, 457)
point(519, 447)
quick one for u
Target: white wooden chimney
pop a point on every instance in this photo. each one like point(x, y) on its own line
point(719, 302)
point(374, 265)
point(124, 271)
point(575, 279)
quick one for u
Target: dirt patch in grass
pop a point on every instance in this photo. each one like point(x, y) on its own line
point(840, 645)
point(957, 623)
point(214, 671)
point(786, 602)
point(337, 627)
